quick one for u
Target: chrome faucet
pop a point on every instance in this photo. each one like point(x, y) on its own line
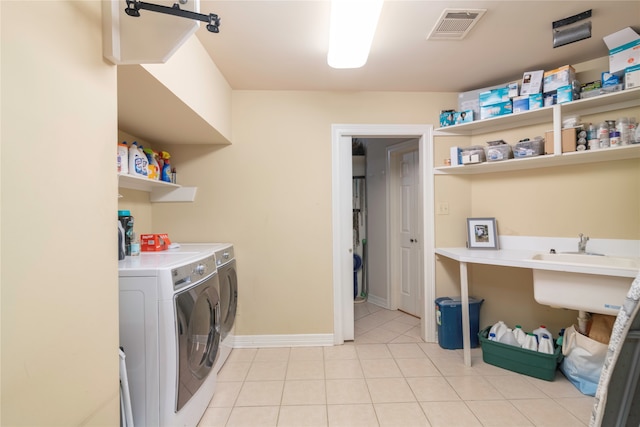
point(582, 244)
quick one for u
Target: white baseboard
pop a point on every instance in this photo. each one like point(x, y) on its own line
point(380, 302)
point(292, 340)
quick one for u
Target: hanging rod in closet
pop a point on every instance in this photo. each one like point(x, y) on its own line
point(134, 6)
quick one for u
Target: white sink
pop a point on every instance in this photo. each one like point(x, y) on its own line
point(591, 260)
point(597, 284)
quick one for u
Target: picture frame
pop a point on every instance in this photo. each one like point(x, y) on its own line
point(482, 233)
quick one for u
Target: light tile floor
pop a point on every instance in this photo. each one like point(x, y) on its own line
point(387, 377)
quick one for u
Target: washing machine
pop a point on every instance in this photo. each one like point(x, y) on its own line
point(170, 331)
point(226, 263)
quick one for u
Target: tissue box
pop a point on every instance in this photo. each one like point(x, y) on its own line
point(632, 77)
point(521, 103)
point(496, 110)
point(463, 116)
point(535, 101)
point(447, 118)
point(154, 242)
point(564, 94)
point(494, 96)
point(559, 77)
point(609, 79)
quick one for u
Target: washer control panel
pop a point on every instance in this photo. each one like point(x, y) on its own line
point(194, 272)
point(223, 256)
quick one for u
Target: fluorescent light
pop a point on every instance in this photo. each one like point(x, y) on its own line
point(353, 25)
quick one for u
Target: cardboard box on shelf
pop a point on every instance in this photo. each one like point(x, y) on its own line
point(531, 82)
point(569, 138)
point(624, 49)
point(564, 94)
point(554, 79)
point(535, 101)
point(496, 110)
point(494, 96)
point(521, 103)
point(632, 77)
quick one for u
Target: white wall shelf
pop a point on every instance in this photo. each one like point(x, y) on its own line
point(544, 161)
point(610, 102)
point(160, 191)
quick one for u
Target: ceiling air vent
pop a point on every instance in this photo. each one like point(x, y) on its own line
point(454, 24)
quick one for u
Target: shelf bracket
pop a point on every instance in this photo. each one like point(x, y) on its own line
point(181, 194)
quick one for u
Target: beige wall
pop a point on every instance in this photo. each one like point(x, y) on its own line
point(59, 275)
point(270, 194)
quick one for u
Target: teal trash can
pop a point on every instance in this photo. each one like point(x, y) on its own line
point(449, 321)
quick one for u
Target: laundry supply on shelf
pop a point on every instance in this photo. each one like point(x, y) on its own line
point(137, 161)
point(123, 157)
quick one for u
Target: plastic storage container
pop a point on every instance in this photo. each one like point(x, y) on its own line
point(498, 150)
point(529, 148)
point(449, 320)
point(472, 154)
point(521, 360)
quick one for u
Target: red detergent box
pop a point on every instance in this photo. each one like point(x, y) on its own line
point(154, 242)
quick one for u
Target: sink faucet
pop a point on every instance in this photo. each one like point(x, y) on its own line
point(582, 244)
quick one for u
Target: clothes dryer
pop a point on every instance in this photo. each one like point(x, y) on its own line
point(170, 331)
point(226, 262)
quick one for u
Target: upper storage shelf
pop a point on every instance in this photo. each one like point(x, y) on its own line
point(160, 191)
point(610, 102)
point(549, 160)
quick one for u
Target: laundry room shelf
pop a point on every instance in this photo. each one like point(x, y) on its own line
point(160, 191)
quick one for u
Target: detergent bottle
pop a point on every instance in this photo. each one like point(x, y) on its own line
point(166, 167)
point(499, 328)
point(546, 345)
point(137, 161)
point(542, 331)
point(153, 171)
point(519, 334)
point(508, 338)
point(530, 342)
point(123, 157)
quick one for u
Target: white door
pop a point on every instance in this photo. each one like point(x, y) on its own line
point(410, 236)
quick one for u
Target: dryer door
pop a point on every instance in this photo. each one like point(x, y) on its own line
point(228, 296)
point(198, 329)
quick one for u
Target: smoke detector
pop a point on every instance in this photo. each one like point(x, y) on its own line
point(455, 24)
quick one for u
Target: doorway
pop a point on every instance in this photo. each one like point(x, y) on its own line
point(342, 219)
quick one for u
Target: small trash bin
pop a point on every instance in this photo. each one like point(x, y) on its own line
point(449, 321)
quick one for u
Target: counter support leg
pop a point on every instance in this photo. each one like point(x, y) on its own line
point(466, 333)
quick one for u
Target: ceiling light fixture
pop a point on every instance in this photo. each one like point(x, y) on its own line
point(353, 25)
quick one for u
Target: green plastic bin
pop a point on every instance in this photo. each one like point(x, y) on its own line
point(521, 360)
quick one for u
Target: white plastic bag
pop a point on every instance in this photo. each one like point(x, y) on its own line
point(583, 360)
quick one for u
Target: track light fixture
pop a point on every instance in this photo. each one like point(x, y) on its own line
point(134, 6)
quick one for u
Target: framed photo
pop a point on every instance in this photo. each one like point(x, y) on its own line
point(482, 233)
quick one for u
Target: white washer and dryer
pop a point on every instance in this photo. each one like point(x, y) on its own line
point(227, 273)
point(226, 262)
point(170, 332)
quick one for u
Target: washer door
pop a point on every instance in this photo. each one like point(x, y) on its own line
point(228, 296)
point(198, 329)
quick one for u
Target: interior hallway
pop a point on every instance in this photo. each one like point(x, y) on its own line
point(387, 377)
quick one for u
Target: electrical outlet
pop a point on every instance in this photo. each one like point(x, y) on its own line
point(443, 208)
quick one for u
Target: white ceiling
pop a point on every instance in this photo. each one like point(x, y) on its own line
point(282, 45)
